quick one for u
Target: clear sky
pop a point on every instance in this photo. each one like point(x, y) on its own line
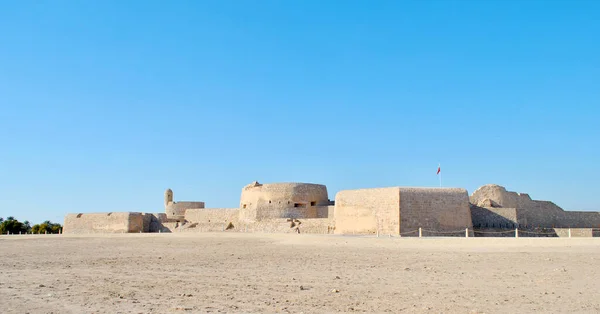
point(105, 104)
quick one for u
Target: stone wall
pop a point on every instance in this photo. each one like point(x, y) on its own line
point(367, 211)
point(499, 197)
point(575, 232)
point(218, 216)
point(154, 222)
point(125, 222)
point(312, 225)
point(438, 209)
point(281, 200)
point(491, 217)
point(533, 213)
point(399, 210)
point(177, 209)
point(325, 211)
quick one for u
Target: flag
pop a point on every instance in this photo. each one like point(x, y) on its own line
point(439, 169)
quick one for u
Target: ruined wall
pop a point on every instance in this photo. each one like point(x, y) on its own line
point(491, 217)
point(281, 225)
point(439, 209)
point(575, 232)
point(154, 222)
point(366, 211)
point(500, 197)
point(217, 216)
point(573, 219)
point(177, 209)
point(125, 222)
point(281, 200)
point(533, 213)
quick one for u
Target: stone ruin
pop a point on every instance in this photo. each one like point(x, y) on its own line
point(306, 208)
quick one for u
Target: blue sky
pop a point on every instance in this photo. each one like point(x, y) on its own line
point(105, 104)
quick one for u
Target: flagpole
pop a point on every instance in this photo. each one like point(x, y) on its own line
point(440, 167)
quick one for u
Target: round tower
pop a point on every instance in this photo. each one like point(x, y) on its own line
point(281, 200)
point(168, 197)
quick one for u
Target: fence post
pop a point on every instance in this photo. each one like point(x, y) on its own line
point(569, 232)
point(420, 232)
point(516, 232)
point(378, 233)
point(466, 232)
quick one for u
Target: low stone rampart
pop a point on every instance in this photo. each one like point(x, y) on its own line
point(491, 217)
point(177, 209)
point(123, 222)
point(212, 219)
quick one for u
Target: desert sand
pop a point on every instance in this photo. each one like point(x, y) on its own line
point(238, 272)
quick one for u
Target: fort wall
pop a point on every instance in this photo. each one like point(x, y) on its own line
point(491, 217)
point(325, 211)
point(367, 211)
point(533, 213)
point(439, 209)
point(281, 200)
point(575, 232)
point(280, 225)
point(305, 208)
point(177, 209)
point(218, 216)
point(125, 222)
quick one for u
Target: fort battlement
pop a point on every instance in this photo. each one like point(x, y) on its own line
point(306, 207)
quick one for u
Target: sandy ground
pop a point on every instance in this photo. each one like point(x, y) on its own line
point(237, 272)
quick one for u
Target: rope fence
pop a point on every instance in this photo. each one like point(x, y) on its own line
point(421, 233)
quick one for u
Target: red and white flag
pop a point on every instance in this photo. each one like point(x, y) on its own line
point(439, 169)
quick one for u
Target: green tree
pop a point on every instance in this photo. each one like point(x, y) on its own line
point(46, 227)
point(13, 226)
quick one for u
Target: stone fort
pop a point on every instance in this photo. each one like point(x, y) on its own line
point(306, 208)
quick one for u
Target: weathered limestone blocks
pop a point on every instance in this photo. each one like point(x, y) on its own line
point(281, 200)
point(493, 195)
point(177, 209)
point(492, 217)
point(401, 209)
point(532, 213)
point(438, 209)
point(103, 223)
point(306, 208)
point(366, 211)
point(213, 219)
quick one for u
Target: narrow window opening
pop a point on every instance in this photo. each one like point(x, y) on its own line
point(313, 203)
